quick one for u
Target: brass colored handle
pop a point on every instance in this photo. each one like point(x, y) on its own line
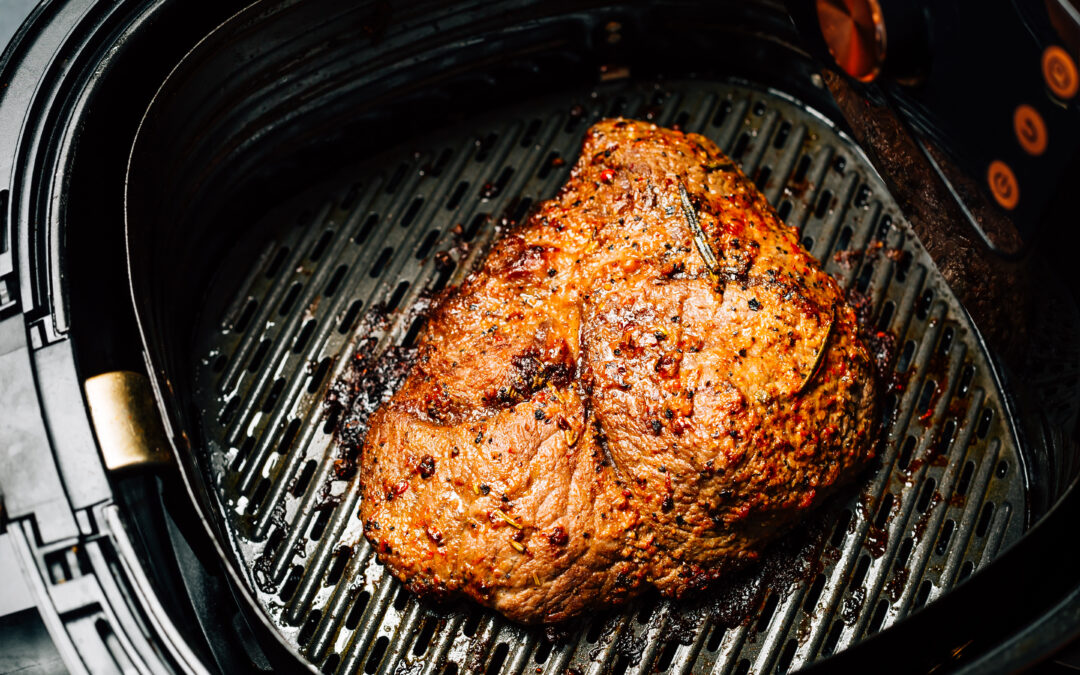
point(126, 421)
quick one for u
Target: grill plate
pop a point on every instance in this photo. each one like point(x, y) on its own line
point(949, 493)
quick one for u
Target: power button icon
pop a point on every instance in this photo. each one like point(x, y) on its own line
point(1003, 184)
point(1059, 71)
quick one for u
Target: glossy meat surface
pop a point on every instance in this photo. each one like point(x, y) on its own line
point(597, 410)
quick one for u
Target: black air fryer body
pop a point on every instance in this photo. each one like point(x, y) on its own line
point(167, 166)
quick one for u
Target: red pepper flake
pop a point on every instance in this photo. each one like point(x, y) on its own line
point(607, 175)
point(739, 512)
point(402, 487)
point(558, 536)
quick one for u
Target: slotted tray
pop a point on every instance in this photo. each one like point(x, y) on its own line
point(344, 264)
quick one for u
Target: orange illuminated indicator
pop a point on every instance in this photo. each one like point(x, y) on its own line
point(1030, 129)
point(1003, 184)
point(854, 30)
point(1059, 71)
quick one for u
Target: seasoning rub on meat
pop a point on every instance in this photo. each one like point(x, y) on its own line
point(641, 387)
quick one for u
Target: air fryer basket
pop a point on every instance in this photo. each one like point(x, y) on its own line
point(313, 172)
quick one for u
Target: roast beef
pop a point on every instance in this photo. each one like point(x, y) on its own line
point(641, 386)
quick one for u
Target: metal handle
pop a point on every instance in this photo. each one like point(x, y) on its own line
point(126, 421)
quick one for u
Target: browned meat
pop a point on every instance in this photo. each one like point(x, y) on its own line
point(596, 411)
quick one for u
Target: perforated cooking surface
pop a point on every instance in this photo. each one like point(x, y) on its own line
point(948, 496)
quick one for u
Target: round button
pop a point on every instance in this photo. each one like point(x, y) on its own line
point(1003, 184)
point(854, 31)
point(1059, 71)
point(1030, 129)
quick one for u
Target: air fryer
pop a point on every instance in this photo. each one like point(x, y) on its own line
point(214, 215)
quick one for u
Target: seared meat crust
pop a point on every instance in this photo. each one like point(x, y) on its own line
point(596, 411)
